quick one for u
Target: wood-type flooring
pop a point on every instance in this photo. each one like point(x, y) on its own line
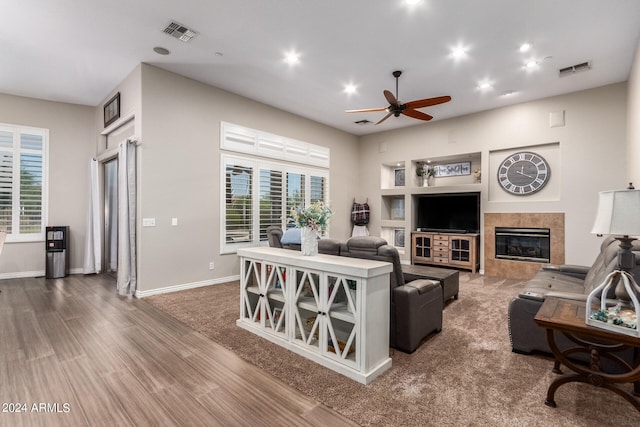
point(73, 353)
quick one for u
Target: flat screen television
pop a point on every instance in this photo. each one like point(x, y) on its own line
point(449, 212)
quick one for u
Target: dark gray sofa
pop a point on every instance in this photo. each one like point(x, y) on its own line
point(416, 305)
point(565, 281)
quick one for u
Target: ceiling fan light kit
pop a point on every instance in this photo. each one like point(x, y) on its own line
point(408, 109)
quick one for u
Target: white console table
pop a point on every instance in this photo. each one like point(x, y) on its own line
point(330, 309)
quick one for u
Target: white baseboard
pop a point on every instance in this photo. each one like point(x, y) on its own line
point(21, 274)
point(185, 286)
point(37, 273)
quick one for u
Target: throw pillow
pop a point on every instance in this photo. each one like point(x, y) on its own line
point(291, 237)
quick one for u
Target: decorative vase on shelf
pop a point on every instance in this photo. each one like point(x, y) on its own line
point(308, 241)
point(425, 181)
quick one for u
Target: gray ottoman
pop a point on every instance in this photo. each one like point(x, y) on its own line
point(449, 279)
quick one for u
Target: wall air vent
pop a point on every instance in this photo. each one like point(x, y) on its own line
point(567, 71)
point(363, 122)
point(179, 31)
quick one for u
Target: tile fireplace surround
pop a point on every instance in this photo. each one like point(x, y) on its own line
point(521, 269)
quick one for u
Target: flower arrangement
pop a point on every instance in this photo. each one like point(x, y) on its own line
point(315, 216)
point(425, 170)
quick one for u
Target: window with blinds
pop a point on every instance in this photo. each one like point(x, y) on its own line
point(23, 182)
point(238, 204)
point(270, 200)
point(295, 193)
point(260, 193)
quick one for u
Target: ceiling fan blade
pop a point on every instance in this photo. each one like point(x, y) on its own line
point(420, 103)
point(384, 118)
point(417, 115)
point(391, 99)
point(367, 110)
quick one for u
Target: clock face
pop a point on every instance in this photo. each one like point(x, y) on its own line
point(523, 173)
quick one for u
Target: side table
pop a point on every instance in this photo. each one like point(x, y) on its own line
point(558, 315)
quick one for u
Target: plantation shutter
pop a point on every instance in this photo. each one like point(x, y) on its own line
point(238, 203)
point(295, 192)
point(270, 200)
point(6, 180)
point(23, 182)
point(317, 192)
point(31, 174)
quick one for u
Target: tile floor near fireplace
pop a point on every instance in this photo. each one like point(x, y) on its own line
point(523, 255)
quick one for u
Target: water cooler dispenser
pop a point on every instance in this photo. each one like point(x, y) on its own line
point(57, 248)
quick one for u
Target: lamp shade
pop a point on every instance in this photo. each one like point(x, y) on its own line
point(618, 213)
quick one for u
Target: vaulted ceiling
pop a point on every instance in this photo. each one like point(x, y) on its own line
point(78, 51)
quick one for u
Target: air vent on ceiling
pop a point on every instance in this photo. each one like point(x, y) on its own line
point(363, 122)
point(567, 71)
point(179, 31)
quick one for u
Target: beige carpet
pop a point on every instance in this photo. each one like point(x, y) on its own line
point(464, 376)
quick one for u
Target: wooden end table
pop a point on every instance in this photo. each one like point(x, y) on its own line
point(558, 315)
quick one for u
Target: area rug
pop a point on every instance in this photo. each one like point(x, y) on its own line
point(465, 375)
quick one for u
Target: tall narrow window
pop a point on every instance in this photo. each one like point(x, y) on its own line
point(270, 200)
point(23, 182)
point(317, 189)
point(295, 191)
point(238, 204)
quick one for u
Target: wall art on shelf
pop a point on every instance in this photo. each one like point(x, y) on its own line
point(397, 208)
point(399, 177)
point(453, 169)
point(112, 110)
point(398, 237)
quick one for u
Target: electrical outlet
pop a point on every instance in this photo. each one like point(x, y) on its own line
point(148, 222)
point(211, 265)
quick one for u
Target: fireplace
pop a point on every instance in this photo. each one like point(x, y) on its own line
point(523, 244)
point(515, 268)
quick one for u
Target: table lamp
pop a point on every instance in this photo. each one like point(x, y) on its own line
point(619, 215)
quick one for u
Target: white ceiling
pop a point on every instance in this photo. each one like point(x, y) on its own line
point(78, 51)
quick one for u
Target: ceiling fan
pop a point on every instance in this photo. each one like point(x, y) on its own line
point(409, 109)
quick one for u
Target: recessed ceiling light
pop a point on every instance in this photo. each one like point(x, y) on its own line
point(526, 47)
point(350, 88)
point(458, 52)
point(411, 2)
point(484, 85)
point(161, 50)
point(291, 58)
point(531, 64)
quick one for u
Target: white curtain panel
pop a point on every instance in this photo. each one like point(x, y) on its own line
point(93, 245)
point(127, 281)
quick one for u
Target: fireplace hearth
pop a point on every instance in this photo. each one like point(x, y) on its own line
point(523, 244)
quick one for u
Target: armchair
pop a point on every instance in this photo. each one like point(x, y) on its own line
point(416, 306)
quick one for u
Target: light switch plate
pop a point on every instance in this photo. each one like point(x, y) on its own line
point(174, 221)
point(148, 222)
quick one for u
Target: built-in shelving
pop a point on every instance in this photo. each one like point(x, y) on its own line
point(396, 220)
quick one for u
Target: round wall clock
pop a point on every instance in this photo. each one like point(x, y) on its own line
point(523, 173)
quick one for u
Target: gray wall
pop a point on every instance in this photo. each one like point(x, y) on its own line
point(72, 141)
point(633, 121)
point(180, 174)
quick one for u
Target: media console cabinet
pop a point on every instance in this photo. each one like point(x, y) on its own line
point(330, 309)
point(446, 249)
